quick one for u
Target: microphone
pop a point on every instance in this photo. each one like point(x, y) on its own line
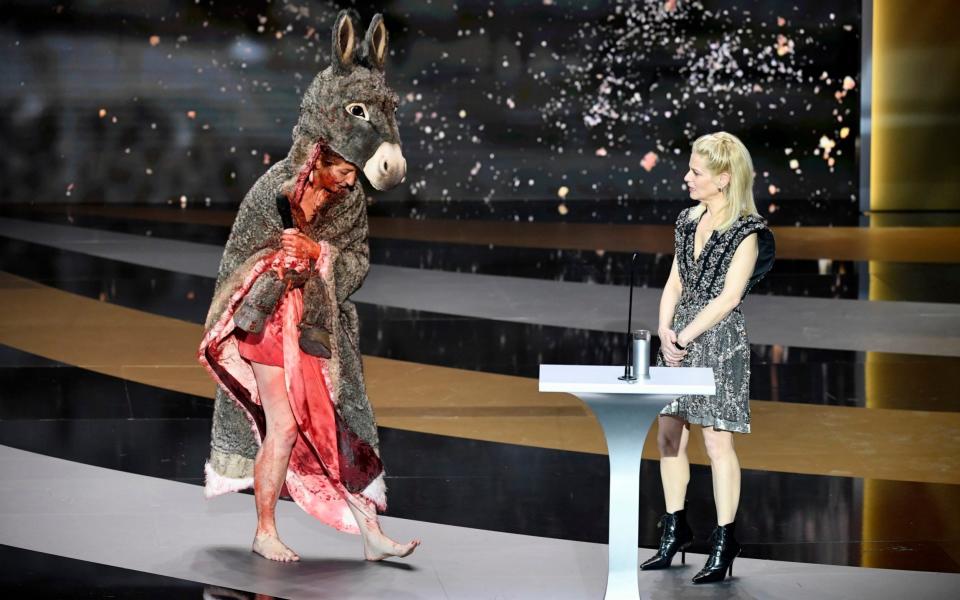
point(637, 365)
point(283, 207)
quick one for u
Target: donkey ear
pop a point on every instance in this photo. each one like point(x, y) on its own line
point(344, 42)
point(376, 42)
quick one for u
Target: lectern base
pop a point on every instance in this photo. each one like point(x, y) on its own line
point(626, 420)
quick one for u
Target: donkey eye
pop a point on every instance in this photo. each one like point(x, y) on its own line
point(358, 110)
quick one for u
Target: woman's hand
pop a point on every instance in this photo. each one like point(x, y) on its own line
point(296, 245)
point(671, 354)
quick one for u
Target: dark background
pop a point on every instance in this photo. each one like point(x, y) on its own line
point(502, 103)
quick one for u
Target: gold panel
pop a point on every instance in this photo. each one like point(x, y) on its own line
point(916, 91)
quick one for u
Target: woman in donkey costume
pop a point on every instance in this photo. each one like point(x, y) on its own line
point(281, 337)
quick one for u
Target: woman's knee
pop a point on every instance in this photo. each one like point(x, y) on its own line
point(670, 437)
point(283, 432)
point(719, 444)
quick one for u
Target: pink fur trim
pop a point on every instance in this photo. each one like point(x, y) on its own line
point(216, 484)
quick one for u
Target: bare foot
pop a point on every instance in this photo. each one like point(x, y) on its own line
point(380, 547)
point(270, 546)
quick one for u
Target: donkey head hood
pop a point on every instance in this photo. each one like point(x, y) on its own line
point(350, 106)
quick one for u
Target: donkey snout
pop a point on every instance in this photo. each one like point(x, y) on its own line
point(387, 167)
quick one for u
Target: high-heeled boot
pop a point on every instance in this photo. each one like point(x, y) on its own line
point(676, 535)
point(724, 549)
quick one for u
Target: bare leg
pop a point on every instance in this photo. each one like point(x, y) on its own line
point(725, 467)
point(270, 467)
point(376, 545)
point(672, 437)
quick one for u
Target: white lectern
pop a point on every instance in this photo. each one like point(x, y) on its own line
point(626, 412)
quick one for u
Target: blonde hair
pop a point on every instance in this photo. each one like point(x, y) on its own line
point(725, 153)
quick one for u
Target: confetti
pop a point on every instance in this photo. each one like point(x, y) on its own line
point(826, 144)
point(649, 161)
point(784, 45)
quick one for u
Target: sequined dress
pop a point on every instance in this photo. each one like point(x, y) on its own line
point(724, 347)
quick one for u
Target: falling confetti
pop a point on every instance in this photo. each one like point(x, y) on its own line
point(826, 144)
point(784, 45)
point(649, 161)
point(636, 82)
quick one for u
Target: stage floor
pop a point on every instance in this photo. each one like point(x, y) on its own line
point(851, 477)
point(165, 528)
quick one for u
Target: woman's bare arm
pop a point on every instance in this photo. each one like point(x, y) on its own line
point(672, 291)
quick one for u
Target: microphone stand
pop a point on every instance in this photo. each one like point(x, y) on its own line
point(638, 343)
point(628, 374)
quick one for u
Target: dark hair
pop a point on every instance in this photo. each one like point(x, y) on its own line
point(302, 151)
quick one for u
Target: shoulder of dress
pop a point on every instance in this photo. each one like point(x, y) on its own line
point(753, 223)
point(684, 216)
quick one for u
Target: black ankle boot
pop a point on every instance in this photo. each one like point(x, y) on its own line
point(676, 535)
point(724, 549)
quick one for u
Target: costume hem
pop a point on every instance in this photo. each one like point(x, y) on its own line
point(376, 492)
point(216, 484)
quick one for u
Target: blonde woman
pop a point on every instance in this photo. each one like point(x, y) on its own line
point(722, 248)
